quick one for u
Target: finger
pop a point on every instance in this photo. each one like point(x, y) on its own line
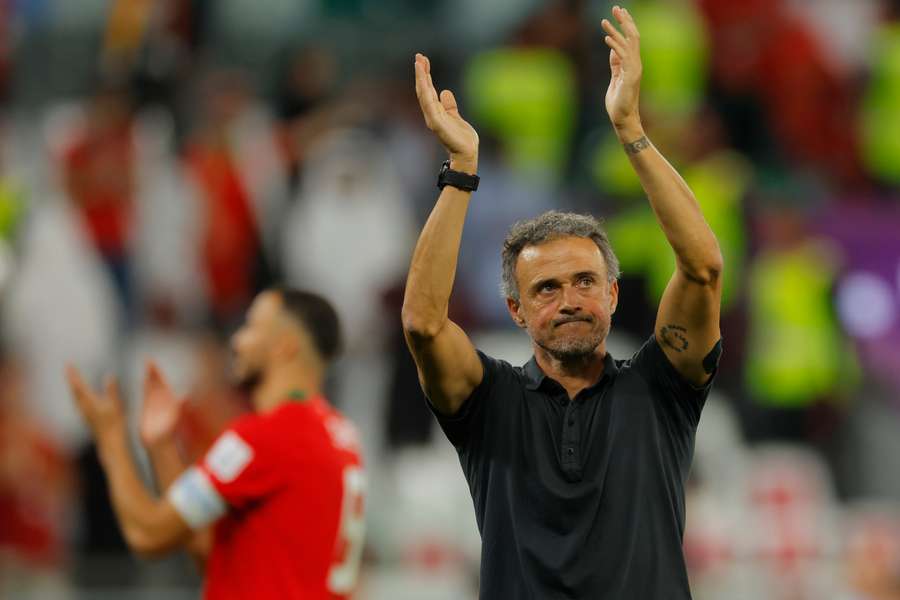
point(612, 32)
point(615, 65)
point(617, 47)
point(160, 377)
point(629, 27)
point(448, 101)
point(154, 375)
point(426, 65)
point(80, 390)
point(111, 388)
point(428, 100)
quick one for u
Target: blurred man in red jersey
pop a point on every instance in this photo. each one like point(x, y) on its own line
point(275, 508)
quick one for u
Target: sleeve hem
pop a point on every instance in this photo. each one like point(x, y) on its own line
point(676, 375)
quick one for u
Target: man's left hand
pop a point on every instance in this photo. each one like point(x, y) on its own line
point(623, 94)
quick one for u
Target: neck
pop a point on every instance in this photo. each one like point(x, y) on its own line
point(278, 384)
point(575, 374)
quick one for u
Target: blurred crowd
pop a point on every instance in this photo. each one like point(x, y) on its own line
point(163, 161)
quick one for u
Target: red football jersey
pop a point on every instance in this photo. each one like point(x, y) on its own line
point(287, 488)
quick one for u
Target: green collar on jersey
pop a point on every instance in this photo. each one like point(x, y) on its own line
point(297, 395)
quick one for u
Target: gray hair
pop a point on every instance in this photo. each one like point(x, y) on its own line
point(552, 225)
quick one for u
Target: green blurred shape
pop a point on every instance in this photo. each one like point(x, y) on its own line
point(674, 56)
point(719, 182)
point(796, 354)
point(880, 116)
point(12, 207)
point(527, 98)
point(612, 171)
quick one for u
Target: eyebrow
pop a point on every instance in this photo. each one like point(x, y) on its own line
point(587, 274)
point(542, 282)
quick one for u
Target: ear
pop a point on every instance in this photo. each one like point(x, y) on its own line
point(613, 296)
point(515, 312)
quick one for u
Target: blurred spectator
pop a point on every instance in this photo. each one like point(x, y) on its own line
point(238, 179)
point(771, 76)
point(99, 170)
point(797, 356)
point(349, 236)
point(880, 116)
point(37, 490)
point(527, 99)
point(872, 553)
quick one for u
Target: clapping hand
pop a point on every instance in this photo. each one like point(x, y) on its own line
point(161, 409)
point(442, 117)
point(623, 94)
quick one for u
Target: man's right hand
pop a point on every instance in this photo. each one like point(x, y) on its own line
point(161, 408)
point(442, 117)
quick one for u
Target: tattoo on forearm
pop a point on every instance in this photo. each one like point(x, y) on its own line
point(674, 336)
point(638, 145)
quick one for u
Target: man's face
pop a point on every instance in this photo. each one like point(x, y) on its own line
point(253, 342)
point(565, 299)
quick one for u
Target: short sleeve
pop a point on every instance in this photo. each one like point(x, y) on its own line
point(237, 470)
point(470, 420)
point(681, 399)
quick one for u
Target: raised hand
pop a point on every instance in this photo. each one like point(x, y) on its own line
point(102, 411)
point(161, 408)
point(442, 117)
point(623, 94)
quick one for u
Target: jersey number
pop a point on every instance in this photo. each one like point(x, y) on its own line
point(352, 528)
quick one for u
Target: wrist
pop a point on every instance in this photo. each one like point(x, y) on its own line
point(629, 130)
point(158, 443)
point(464, 164)
point(110, 441)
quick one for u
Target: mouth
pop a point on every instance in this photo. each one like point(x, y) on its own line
point(571, 322)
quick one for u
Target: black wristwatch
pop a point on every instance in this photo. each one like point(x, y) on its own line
point(461, 181)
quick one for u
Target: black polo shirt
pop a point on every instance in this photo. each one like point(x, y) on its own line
point(580, 499)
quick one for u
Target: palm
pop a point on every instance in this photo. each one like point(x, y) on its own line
point(161, 408)
point(622, 95)
point(102, 411)
point(616, 94)
point(442, 114)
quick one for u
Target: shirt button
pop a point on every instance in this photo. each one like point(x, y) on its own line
point(570, 451)
point(571, 421)
point(565, 401)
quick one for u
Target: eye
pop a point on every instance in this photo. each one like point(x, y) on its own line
point(547, 287)
point(586, 281)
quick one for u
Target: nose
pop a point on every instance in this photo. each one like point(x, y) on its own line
point(570, 302)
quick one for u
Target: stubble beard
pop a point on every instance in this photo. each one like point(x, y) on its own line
point(573, 349)
point(246, 380)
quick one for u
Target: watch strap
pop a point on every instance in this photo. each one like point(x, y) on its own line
point(459, 180)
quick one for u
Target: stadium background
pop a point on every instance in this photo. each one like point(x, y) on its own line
point(160, 161)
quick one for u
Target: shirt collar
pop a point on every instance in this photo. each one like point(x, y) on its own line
point(534, 376)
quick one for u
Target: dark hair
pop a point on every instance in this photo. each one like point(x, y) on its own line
point(552, 225)
point(317, 316)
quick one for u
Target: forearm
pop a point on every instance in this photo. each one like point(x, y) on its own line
point(166, 462)
point(694, 243)
point(135, 508)
point(433, 268)
point(168, 465)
